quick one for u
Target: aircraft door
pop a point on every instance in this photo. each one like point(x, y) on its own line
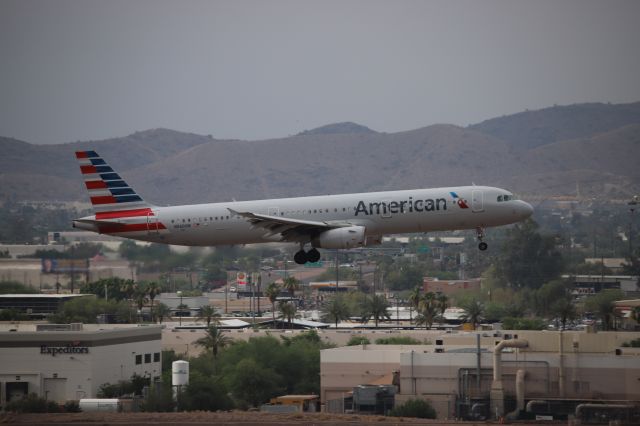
point(477, 201)
point(152, 223)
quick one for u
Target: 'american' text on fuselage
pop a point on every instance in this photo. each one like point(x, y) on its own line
point(410, 205)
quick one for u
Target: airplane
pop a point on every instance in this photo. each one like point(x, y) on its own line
point(342, 221)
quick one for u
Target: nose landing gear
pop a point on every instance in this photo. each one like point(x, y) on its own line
point(480, 234)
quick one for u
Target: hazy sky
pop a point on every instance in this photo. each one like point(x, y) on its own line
point(81, 69)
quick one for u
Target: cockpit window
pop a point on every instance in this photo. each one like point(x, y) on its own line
point(499, 198)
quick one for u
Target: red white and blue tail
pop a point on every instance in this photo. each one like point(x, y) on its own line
point(107, 190)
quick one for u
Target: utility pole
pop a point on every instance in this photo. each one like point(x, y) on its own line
point(632, 208)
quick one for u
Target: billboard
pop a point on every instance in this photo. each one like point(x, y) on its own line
point(64, 266)
point(241, 281)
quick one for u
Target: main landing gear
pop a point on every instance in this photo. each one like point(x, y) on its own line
point(301, 257)
point(480, 234)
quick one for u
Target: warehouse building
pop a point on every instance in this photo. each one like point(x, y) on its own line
point(71, 361)
point(486, 375)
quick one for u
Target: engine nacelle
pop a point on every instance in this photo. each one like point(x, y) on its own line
point(340, 238)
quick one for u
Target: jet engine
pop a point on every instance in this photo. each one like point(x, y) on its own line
point(340, 238)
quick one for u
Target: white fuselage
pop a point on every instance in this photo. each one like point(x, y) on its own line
point(380, 213)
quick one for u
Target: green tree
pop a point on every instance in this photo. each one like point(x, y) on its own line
point(111, 288)
point(153, 290)
point(548, 294)
point(442, 303)
point(291, 284)
point(414, 299)
point(602, 305)
point(206, 394)
point(473, 311)
point(214, 340)
point(375, 307)
point(287, 311)
point(87, 309)
point(160, 312)
point(255, 383)
point(564, 310)
point(272, 292)
point(159, 399)
point(528, 258)
point(427, 310)
point(139, 295)
point(336, 310)
point(210, 314)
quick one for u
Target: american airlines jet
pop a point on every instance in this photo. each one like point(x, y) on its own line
point(329, 221)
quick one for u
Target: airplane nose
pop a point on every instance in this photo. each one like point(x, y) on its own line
point(524, 209)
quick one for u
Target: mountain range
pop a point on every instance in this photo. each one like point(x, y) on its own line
point(593, 149)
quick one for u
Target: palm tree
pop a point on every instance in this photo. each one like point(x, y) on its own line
point(375, 308)
point(214, 340)
point(140, 296)
point(427, 310)
point(161, 311)
point(473, 311)
point(209, 313)
point(414, 300)
point(153, 290)
point(128, 288)
point(442, 302)
point(288, 311)
point(336, 310)
point(291, 284)
point(272, 292)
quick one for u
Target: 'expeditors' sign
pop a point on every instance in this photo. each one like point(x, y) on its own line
point(66, 350)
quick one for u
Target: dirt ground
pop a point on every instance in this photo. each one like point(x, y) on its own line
point(227, 418)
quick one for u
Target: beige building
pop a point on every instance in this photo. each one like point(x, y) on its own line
point(32, 273)
point(453, 375)
point(450, 287)
point(70, 362)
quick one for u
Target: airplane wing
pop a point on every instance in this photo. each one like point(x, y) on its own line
point(293, 230)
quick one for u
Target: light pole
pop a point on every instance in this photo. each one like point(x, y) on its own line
point(179, 293)
point(632, 208)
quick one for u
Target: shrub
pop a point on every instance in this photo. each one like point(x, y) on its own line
point(71, 407)
point(400, 340)
point(511, 323)
point(414, 408)
point(635, 343)
point(358, 340)
point(32, 403)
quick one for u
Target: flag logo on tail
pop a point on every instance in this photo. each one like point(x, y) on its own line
point(107, 190)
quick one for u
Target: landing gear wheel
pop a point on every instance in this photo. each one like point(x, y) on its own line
point(480, 234)
point(313, 255)
point(300, 257)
